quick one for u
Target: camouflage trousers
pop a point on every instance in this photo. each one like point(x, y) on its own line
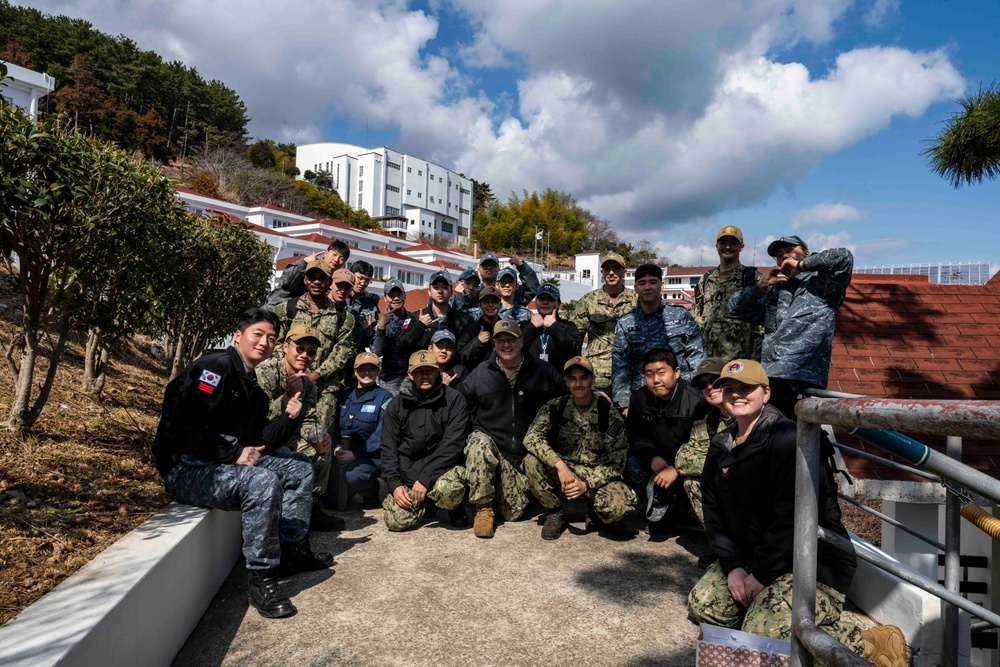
point(692, 487)
point(770, 614)
point(611, 501)
point(495, 474)
point(326, 406)
point(689, 462)
point(447, 493)
point(274, 497)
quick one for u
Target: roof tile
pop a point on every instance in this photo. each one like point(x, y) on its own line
point(980, 364)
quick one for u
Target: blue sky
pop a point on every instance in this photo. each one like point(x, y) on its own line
point(669, 117)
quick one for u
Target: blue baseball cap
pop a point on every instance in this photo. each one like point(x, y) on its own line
point(550, 290)
point(468, 274)
point(489, 257)
point(440, 275)
point(774, 246)
point(508, 271)
point(394, 283)
point(443, 334)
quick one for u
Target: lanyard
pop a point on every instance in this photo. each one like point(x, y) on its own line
point(544, 338)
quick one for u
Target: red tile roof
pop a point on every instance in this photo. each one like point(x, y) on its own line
point(446, 265)
point(392, 253)
point(283, 210)
point(416, 299)
point(903, 337)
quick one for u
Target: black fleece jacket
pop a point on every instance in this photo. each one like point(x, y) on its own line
point(423, 435)
point(659, 428)
point(564, 341)
point(417, 336)
point(748, 498)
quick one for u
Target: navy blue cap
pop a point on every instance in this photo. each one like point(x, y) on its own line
point(772, 248)
point(550, 290)
point(394, 283)
point(440, 275)
point(469, 273)
point(443, 334)
point(489, 257)
point(508, 271)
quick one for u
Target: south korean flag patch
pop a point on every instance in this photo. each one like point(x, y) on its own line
point(406, 323)
point(208, 382)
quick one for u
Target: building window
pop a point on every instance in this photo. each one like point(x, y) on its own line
point(420, 195)
point(440, 180)
point(361, 171)
point(409, 170)
point(463, 231)
point(392, 165)
point(420, 172)
point(392, 188)
point(432, 199)
point(465, 192)
point(586, 274)
point(359, 201)
point(379, 273)
point(447, 228)
point(464, 210)
point(407, 192)
point(391, 210)
point(673, 281)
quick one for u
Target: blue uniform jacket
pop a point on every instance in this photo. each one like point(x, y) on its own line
point(361, 418)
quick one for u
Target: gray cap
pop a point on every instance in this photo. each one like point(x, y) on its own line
point(549, 289)
point(394, 283)
point(443, 334)
point(773, 246)
point(489, 257)
point(440, 275)
point(508, 271)
point(469, 273)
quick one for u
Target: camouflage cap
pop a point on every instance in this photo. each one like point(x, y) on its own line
point(507, 272)
point(489, 291)
point(440, 275)
point(711, 366)
point(394, 283)
point(578, 362)
point(548, 289)
point(731, 230)
point(422, 359)
point(301, 332)
point(469, 274)
point(366, 358)
point(489, 257)
point(321, 265)
point(343, 276)
point(746, 371)
point(506, 326)
point(613, 257)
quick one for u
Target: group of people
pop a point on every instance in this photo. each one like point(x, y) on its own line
point(688, 415)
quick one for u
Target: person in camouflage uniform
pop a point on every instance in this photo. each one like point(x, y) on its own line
point(423, 430)
point(363, 305)
point(797, 302)
point(576, 448)
point(597, 314)
point(489, 267)
point(290, 283)
point(510, 308)
point(466, 294)
point(387, 333)
point(651, 324)
point(316, 311)
point(725, 336)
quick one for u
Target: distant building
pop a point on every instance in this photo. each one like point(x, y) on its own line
point(413, 198)
point(958, 273)
point(24, 87)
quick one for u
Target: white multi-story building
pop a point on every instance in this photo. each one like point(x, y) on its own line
point(24, 87)
point(413, 198)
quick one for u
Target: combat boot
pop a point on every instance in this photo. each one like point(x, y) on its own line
point(458, 517)
point(264, 595)
point(299, 557)
point(482, 525)
point(594, 522)
point(885, 646)
point(321, 522)
point(555, 524)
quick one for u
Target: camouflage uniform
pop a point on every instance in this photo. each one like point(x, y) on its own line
point(770, 614)
point(690, 460)
point(596, 316)
point(516, 312)
point(638, 332)
point(272, 377)
point(358, 305)
point(394, 360)
point(447, 493)
point(336, 348)
point(495, 473)
point(596, 458)
point(725, 336)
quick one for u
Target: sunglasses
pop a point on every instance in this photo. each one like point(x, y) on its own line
point(308, 351)
point(704, 384)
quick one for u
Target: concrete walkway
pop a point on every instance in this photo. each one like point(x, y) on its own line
point(440, 596)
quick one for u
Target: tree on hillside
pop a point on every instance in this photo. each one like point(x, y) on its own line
point(82, 99)
point(66, 203)
point(482, 195)
point(967, 151)
point(597, 232)
point(16, 54)
point(514, 225)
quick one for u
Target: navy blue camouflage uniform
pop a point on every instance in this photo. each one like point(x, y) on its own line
point(211, 411)
point(638, 332)
point(358, 305)
point(386, 345)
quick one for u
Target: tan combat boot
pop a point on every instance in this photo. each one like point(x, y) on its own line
point(885, 646)
point(482, 525)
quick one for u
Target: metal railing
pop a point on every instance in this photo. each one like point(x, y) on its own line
point(863, 417)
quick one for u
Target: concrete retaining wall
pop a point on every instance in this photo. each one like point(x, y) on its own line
point(136, 602)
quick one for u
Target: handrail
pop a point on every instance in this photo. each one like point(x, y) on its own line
point(892, 522)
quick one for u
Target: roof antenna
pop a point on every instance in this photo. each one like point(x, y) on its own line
point(754, 250)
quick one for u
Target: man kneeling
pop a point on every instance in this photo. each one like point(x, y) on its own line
point(577, 448)
point(215, 448)
point(423, 435)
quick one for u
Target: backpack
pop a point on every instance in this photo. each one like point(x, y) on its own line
point(292, 309)
point(749, 276)
point(557, 418)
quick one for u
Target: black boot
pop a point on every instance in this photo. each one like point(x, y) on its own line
point(264, 595)
point(299, 557)
point(555, 524)
point(321, 522)
point(594, 522)
point(458, 517)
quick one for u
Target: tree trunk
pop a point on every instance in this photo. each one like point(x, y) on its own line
point(18, 418)
point(95, 363)
point(177, 364)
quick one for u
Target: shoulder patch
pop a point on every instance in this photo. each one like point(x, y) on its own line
point(208, 381)
point(406, 323)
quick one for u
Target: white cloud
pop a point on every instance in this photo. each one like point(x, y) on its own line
point(881, 12)
point(826, 214)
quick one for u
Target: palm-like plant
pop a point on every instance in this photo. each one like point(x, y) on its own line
point(967, 151)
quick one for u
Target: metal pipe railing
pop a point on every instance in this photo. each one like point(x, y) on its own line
point(952, 566)
point(892, 522)
point(886, 462)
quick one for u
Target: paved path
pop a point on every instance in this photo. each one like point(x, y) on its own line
point(440, 596)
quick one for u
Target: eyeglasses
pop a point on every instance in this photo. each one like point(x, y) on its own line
point(704, 384)
point(308, 351)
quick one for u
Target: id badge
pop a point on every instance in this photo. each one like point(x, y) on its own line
point(543, 357)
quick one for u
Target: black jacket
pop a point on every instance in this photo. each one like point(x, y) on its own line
point(215, 397)
point(471, 350)
point(658, 428)
point(417, 336)
point(423, 436)
point(505, 413)
point(748, 498)
point(564, 342)
point(290, 284)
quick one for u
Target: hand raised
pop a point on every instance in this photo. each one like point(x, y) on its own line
point(294, 406)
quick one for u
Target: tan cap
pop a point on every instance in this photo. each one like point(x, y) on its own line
point(731, 230)
point(489, 290)
point(422, 359)
point(366, 358)
point(613, 257)
point(343, 276)
point(507, 327)
point(319, 264)
point(746, 371)
point(578, 362)
point(711, 366)
point(300, 332)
